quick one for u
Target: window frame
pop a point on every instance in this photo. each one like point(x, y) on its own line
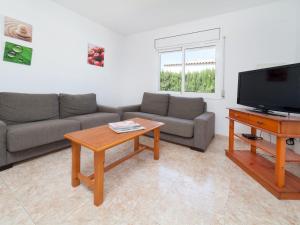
point(219, 76)
point(159, 70)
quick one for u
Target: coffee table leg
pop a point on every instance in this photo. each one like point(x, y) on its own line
point(99, 177)
point(75, 164)
point(156, 143)
point(136, 143)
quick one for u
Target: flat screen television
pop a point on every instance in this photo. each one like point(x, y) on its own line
point(271, 89)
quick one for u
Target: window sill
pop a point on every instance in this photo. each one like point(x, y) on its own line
point(214, 96)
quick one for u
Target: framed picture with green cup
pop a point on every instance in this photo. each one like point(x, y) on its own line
point(17, 53)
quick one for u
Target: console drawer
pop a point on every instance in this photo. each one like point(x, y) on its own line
point(257, 121)
point(243, 117)
point(264, 123)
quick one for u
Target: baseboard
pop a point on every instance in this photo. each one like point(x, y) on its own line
point(6, 167)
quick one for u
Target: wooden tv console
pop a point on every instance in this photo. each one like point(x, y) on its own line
point(273, 176)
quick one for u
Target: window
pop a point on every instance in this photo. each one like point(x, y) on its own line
point(171, 71)
point(200, 70)
point(192, 70)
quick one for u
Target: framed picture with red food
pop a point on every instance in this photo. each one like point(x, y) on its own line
point(95, 55)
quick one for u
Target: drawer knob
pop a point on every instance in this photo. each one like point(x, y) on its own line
point(259, 123)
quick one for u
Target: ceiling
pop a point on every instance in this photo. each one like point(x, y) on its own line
point(133, 16)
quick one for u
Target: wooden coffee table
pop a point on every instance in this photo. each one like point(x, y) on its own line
point(100, 139)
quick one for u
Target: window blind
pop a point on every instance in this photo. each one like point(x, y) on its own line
point(187, 39)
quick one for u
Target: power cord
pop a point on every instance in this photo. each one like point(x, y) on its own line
point(290, 141)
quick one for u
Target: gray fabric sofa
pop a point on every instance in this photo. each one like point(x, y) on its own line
point(35, 124)
point(186, 120)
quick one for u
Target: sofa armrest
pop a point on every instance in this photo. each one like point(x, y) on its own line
point(3, 131)
point(204, 130)
point(131, 108)
point(108, 109)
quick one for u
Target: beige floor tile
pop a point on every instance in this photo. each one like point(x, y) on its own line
point(184, 187)
point(11, 211)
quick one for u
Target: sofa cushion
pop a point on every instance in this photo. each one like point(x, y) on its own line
point(74, 105)
point(28, 135)
point(176, 126)
point(130, 115)
point(95, 119)
point(186, 108)
point(155, 103)
point(22, 108)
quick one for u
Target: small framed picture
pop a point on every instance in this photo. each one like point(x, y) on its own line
point(17, 53)
point(17, 29)
point(95, 55)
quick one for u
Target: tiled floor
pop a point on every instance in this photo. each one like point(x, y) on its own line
point(184, 187)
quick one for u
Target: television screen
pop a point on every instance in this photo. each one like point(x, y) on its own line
point(276, 88)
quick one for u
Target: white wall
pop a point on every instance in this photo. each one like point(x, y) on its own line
point(59, 63)
point(259, 36)
point(255, 37)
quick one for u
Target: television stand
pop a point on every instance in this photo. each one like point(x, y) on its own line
point(272, 176)
point(266, 112)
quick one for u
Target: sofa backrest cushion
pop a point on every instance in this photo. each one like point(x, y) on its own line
point(155, 103)
point(186, 108)
point(18, 108)
point(73, 105)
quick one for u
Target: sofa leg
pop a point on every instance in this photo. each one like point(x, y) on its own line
point(6, 167)
point(197, 149)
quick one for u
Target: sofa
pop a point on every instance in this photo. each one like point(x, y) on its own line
point(186, 120)
point(35, 124)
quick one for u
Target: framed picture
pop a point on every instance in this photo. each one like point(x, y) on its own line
point(95, 55)
point(17, 29)
point(17, 53)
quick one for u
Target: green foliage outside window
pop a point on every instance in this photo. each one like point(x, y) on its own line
point(202, 81)
point(170, 81)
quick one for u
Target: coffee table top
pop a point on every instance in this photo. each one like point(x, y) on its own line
point(102, 138)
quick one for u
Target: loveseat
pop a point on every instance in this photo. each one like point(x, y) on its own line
point(35, 124)
point(186, 120)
